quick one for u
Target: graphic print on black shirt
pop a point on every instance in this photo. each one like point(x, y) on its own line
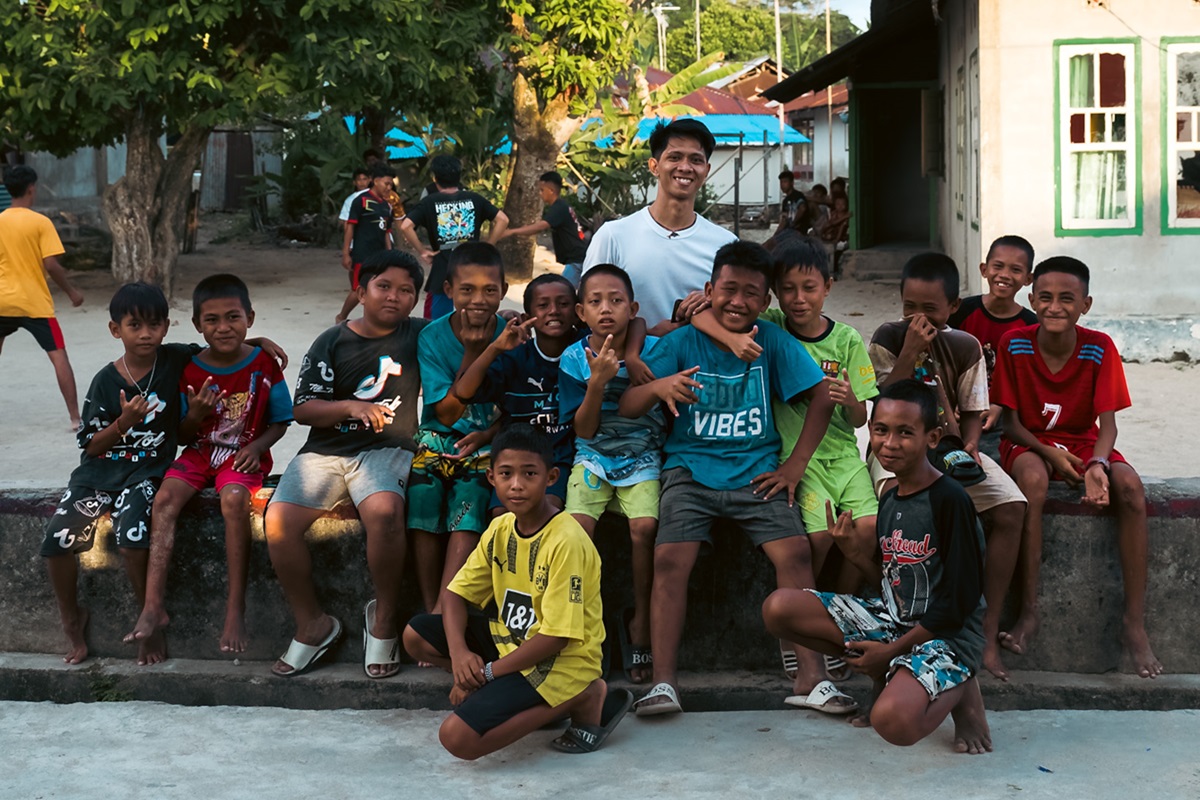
point(148, 447)
point(341, 365)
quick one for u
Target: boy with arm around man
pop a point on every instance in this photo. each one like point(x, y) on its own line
point(1061, 385)
point(723, 453)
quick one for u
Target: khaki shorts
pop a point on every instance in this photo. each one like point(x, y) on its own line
point(591, 495)
point(315, 480)
point(997, 488)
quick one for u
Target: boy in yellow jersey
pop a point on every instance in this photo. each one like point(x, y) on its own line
point(539, 658)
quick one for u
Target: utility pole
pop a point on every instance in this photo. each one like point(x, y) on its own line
point(778, 78)
point(697, 30)
point(660, 18)
point(829, 96)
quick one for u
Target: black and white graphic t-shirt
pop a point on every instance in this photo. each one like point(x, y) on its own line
point(450, 218)
point(341, 365)
point(931, 546)
point(148, 447)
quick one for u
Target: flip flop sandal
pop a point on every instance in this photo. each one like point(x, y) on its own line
point(791, 665)
point(820, 697)
point(378, 652)
point(301, 657)
point(643, 708)
point(587, 738)
point(837, 670)
point(632, 656)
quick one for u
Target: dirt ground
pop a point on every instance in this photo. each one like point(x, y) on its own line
point(296, 291)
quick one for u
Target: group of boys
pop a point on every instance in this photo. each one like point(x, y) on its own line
point(712, 408)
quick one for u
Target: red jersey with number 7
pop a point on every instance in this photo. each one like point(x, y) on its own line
point(1061, 406)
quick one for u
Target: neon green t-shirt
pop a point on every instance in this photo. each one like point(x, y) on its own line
point(840, 347)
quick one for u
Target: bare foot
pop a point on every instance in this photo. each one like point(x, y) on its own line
point(971, 732)
point(75, 629)
point(992, 662)
point(152, 649)
point(150, 622)
point(1137, 648)
point(861, 720)
point(233, 638)
point(1021, 635)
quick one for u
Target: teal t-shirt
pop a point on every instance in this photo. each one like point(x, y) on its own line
point(729, 436)
point(440, 354)
point(840, 347)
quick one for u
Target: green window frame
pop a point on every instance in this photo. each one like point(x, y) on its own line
point(1097, 137)
point(1180, 135)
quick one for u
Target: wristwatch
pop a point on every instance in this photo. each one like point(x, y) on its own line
point(487, 672)
point(1103, 462)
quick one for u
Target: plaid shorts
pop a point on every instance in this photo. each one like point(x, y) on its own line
point(934, 664)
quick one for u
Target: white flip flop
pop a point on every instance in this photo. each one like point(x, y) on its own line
point(378, 652)
point(670, 706)
point(301, 657)
point(820, 698)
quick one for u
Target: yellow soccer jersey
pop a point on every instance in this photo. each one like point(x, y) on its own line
point(547, 583)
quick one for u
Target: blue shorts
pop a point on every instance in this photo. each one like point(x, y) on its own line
point(934, 664)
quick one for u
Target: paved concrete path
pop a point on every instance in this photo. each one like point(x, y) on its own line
point(164, 751)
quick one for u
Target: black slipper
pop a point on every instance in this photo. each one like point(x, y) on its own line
point(588, 738)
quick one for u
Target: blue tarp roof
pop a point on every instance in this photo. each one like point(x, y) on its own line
point(727, 128)
point(411, 147)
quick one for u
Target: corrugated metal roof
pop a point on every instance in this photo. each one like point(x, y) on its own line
point(728, 129)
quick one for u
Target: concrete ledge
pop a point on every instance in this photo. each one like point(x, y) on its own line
point(205, 683)
point(1081, 594)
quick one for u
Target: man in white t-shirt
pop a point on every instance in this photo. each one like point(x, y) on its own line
point(667, 248)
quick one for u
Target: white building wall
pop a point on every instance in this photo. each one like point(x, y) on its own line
point(824, 140)
point(960, 186)
point(1146, 274)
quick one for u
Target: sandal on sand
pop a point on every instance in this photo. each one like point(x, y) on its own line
point(378, 652)
point(301, 657)
point(633, 656)
point(837, 670)
point(791, 665)
point(646, 707)
point(820, 698)
point(588, 738)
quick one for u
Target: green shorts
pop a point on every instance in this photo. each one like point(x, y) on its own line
point(591, 495)
point(845, 482)
point(448, 494)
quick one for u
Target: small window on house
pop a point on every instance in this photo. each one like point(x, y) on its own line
point(973, 90)
point(1182, 134)
point(1098, 151)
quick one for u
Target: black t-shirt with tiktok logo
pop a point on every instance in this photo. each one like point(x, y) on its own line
point(342, 365)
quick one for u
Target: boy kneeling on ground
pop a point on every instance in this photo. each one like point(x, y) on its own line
point(538, 659)
point(922, 641)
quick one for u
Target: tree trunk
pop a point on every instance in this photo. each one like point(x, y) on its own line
point(538, 136)
point(146, 208)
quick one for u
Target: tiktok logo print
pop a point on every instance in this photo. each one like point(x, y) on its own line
point(906, 578)
point(373, 387)
point(711, 419)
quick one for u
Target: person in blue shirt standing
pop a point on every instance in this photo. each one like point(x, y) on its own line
point(722, 454)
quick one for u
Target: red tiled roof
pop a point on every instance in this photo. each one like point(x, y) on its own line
point(817, 99)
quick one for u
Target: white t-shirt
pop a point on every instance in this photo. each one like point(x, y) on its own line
point(663, 265)
point(345, 215)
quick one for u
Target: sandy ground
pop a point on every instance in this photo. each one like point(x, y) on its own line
point(297, 291)
point(160, 751)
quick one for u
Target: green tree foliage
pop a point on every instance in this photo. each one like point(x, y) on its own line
point(79, 73)
point(561, 54)
point(745, 29)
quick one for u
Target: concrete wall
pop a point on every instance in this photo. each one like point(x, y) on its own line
point(1081, 595)
point(1147, 274)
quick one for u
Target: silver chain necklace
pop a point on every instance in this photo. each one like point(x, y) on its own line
point(150, 382)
